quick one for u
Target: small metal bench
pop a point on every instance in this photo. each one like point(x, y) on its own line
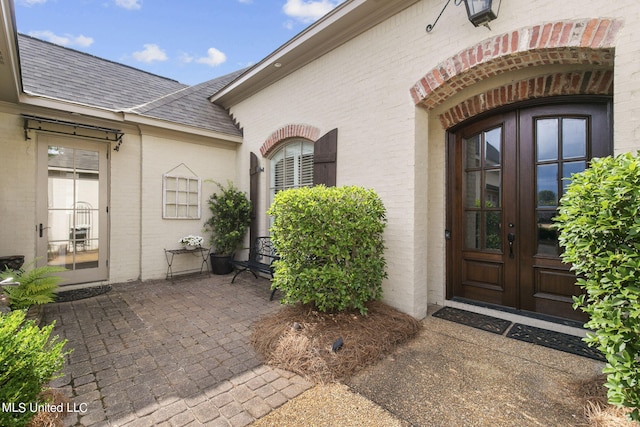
point(262, 254)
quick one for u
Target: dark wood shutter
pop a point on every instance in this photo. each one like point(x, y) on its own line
point(254, 170)
point(325, 151)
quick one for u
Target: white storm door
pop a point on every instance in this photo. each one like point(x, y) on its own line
point(72, 228)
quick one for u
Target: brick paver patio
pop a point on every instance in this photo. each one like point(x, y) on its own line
point(170, 354)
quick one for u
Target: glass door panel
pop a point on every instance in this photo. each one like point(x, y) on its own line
point(73, 208)
point(482, 183)
point(561, 144)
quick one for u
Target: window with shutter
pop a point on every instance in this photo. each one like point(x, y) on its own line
point(292, 166)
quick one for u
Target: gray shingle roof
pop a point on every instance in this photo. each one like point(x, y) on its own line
point(63, 73)
point(190, 107)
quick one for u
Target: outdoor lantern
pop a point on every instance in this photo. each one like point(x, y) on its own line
point(481, 12)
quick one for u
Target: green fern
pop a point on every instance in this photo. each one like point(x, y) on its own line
point(37, 286)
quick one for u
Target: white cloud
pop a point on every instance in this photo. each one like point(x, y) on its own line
point(129, 4)
point(308, 10)
point(214, 57)
point(30, 2)
point(150, 53)
point(64, 40)
point(245, 1)
point(185, 58)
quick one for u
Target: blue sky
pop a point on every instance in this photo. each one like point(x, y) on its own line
point(191, 41)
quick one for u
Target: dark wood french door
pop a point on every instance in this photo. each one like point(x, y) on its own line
point(506, 176)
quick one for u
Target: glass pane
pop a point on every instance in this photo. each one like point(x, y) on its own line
point(59, 220)
point(87, 190)
point(472, 153)
point(57, 254)
point(547, 234)
point(493, 147)
point(60, 191)
point(492, 191)
point(473, 189)
point(306, 169)
point(568, 169)
point(86, 160)
point(472, 230)
point(574, 138)
point(547, 139)
point(60, 157)
point(547, 185)
point(493, 239)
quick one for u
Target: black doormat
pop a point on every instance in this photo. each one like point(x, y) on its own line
point(555, 340)
point(77, 294)
point(476, 320)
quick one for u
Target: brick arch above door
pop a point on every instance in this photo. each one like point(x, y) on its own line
point(579, 42)
point(596, 82)
point(309, 132)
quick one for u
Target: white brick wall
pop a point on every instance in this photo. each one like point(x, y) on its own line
point(362, 88)
point(138, 234)
point(17, 188)
point(161, 154)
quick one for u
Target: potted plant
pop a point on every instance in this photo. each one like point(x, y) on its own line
point(191, 242)
point(230, 218)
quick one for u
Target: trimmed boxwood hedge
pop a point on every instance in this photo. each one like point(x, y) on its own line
point(599, 224)
point(330, 243)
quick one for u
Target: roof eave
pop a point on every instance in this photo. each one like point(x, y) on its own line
point(140, 119)
point(124, 117)
point(351, 18)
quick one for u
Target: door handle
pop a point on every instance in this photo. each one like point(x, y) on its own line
point(41, 229)
point(511, 238)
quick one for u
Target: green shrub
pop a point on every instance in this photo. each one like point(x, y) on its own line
point(37, 286)
point(29, 359)
point(230, 218)
point(599, 223)
point(331, 246)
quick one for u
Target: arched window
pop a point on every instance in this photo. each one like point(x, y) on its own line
point(292, 166)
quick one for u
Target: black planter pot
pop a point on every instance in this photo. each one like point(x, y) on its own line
point(221, 264)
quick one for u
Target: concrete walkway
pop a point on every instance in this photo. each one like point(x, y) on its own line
point(170, 354)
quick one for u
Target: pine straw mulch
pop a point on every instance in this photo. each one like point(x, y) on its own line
point(597, 411)
point(51, 419)
point(299, 339)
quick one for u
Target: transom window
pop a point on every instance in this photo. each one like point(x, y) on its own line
point(292, 166)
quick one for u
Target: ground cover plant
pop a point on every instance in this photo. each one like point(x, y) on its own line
point(330, 244)
point(37, 285)
point(599, 224)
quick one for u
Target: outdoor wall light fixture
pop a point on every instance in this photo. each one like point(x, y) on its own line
point(479, 12)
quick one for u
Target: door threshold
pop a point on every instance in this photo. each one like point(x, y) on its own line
point(75, 286)
point(551, 323)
